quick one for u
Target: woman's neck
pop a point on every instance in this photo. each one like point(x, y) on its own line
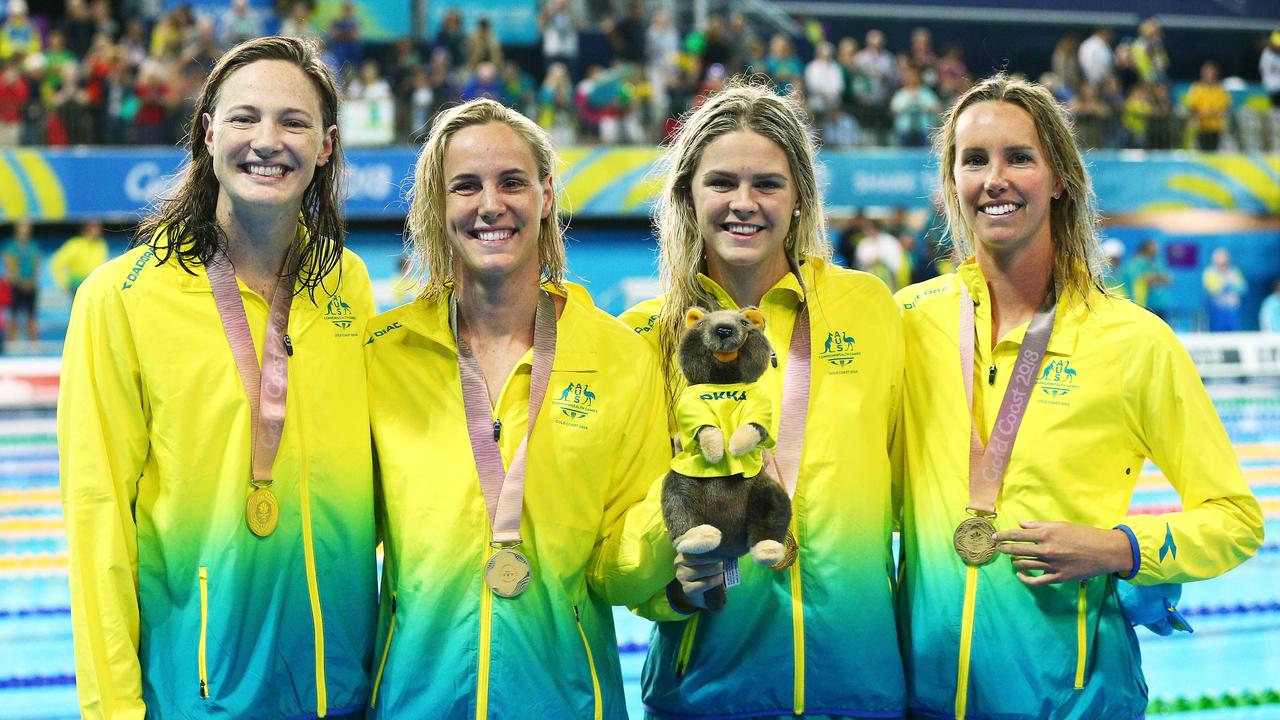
point(496, 319)
point(748, 284)
point(1017, 283)
point(257, 246)
point(497, 311)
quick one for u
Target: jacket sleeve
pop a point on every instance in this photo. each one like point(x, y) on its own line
point(633, 558)
point(897, 423)
point(356, 286)
point(102, 446)
point(1220, 525)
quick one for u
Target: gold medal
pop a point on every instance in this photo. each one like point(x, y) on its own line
point(262, 512)
point(507, 572)
point(973, 541)
point(789, 549)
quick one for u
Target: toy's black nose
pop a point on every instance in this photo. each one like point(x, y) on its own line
point(724, 332)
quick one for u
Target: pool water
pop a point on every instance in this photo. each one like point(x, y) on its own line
point(1229, 669)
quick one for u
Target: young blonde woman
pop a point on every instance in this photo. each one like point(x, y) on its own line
point(212, 429)
point(740, 223)
point(1033, 399)
point(514, 425)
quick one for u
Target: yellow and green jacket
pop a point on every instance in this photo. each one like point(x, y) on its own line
point(447, 647)
point(824, 629)
point(180, 611)
point(726, 407)
point(1116, 388)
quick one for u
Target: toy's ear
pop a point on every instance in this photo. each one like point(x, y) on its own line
point(692, 316)
point(755, 317)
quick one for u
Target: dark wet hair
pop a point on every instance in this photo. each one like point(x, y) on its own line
point(184, 222)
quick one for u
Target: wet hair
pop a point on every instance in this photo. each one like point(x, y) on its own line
point(1078, 260)
point(184, 222)
point(427, 242)
point(743, 105)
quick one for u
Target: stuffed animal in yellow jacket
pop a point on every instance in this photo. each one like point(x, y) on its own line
point(717, 500)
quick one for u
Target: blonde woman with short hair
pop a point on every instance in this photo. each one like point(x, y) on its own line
point(514, 425)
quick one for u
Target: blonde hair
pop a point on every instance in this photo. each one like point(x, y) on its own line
point(742, 106)
point(431, 256)
point(1078, 260)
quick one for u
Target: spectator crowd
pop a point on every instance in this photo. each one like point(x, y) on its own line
point(99, 73)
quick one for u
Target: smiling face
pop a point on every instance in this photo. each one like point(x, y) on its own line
point(266, 136)
point(494, 204)
point(743, 199)
point(1003, 178)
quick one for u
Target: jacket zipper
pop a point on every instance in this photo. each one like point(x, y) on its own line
point(1082, 640)
point(204, 629)
point(486, 619)
point(313, 587)
point(386, 650)
point(797, 633)
point(966, 639)
point(591, 662)
point(686, 644)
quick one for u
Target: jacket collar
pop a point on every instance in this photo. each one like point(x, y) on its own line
point(429, 319)
point(792, 285)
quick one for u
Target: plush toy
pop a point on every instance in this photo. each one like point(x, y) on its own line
point(718, 501)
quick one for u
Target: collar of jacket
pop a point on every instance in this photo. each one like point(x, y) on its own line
point(788, 284)
point(430, 320)
point(1069, 315)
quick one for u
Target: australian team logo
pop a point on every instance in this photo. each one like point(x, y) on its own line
point(839, 349)
point(576, 401)
point(1058, 378)
point(339, 313)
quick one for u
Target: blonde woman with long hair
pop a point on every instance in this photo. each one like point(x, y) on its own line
point(514, 425)
point(1033, 399)
point(740, 223)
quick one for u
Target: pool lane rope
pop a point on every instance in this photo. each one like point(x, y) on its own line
point(1210, 701)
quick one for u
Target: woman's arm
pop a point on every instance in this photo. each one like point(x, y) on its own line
point(102, 446)
point(633, 556)
point(1220, 524)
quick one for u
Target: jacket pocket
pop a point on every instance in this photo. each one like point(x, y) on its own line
point(386, 650)
point(1082, 633)
point(685, 652)
point(591, 663)
point(204, 631)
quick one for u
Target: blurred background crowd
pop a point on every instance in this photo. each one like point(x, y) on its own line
point(120, 72)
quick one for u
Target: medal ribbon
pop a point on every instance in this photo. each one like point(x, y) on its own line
point(785, 463)
point(267, 387)
point(504, 491)
point(987, 465)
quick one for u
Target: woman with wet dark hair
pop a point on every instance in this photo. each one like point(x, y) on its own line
point(213, 425)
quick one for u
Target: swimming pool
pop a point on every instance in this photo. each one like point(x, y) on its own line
point(1229, 669)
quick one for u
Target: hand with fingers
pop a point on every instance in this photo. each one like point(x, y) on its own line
point(699, 583)
point(1061, 552)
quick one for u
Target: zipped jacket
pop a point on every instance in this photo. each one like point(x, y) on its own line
point(1115, 388)
point(448, 648)
point(179, 610)
point(816, 639)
